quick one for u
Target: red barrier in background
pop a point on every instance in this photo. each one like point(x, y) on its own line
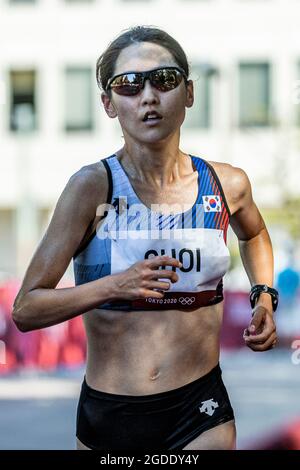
point(61, 345)
point(286, 437)
point(237, 315)
point(64, 345)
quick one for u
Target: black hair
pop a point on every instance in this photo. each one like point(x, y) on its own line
point(105, 65)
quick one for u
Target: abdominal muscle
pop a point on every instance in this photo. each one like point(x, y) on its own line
point(146, 352)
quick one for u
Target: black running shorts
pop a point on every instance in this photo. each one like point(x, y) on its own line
point(160, 421)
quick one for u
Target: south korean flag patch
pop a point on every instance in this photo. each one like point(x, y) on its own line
point(212, 203)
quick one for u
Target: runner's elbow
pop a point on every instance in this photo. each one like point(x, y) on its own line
point(21, 317)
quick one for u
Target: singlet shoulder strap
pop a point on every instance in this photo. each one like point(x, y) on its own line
point(109, 179)
point(108, 201)
point(121, 185)
point(209, 175)
point(213, 171)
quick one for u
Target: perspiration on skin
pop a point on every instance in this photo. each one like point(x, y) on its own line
point(141, 353)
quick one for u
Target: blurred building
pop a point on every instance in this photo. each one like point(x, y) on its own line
point(245, 63)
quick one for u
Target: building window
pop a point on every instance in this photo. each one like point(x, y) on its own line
point(22, 101)
point(78, 99)
point(199, 115)
point(254, 94)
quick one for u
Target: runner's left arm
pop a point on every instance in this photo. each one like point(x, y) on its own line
point(257, 257)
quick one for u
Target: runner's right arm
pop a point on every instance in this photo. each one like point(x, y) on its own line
point(39, 304)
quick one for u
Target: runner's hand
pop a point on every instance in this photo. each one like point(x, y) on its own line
point(141, 279)
point(261, 332)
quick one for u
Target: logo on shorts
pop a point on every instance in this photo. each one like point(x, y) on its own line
point(209, 407)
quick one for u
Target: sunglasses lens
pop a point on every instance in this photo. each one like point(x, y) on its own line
point(128, 84)
point(166, 79)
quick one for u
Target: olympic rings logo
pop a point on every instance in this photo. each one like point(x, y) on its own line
point(187, 300)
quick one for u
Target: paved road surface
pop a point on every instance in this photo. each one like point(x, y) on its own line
point(39, 412)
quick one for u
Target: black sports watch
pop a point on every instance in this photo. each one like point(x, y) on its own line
point(260, 288)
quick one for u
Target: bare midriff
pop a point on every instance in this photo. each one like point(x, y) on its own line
point(147, 352)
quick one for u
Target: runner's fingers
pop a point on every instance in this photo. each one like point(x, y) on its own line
point(246, 333)
point(262, 346)
point(164, 274)
point(163, 261)
point(144, 293)
point(158, 285)
point(262, 337)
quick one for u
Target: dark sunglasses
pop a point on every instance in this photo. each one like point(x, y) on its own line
point(131, 83)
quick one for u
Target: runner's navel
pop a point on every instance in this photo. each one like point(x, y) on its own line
point(155, 373)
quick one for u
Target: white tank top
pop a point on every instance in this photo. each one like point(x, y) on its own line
point(131, 232)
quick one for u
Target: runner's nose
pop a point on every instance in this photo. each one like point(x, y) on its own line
point(149, 94)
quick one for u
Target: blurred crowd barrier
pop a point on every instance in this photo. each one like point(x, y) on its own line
point(237, 316)
point(286, 437)
point(60, 345)
point(64, 345)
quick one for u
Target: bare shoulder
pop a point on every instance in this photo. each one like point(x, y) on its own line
point(71, 224)
point(90, 181)
point(235, 183)
point(86, 190)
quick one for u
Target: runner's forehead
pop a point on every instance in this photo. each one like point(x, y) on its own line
point(142, 57)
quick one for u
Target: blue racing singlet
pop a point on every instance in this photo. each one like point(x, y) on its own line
point(130, 232)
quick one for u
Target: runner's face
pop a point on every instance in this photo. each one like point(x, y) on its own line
point(131, 110)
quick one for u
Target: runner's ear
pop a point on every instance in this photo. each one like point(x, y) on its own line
point(108, 105)
point(189, 94)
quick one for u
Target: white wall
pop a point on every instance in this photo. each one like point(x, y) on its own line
point(50, 34)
